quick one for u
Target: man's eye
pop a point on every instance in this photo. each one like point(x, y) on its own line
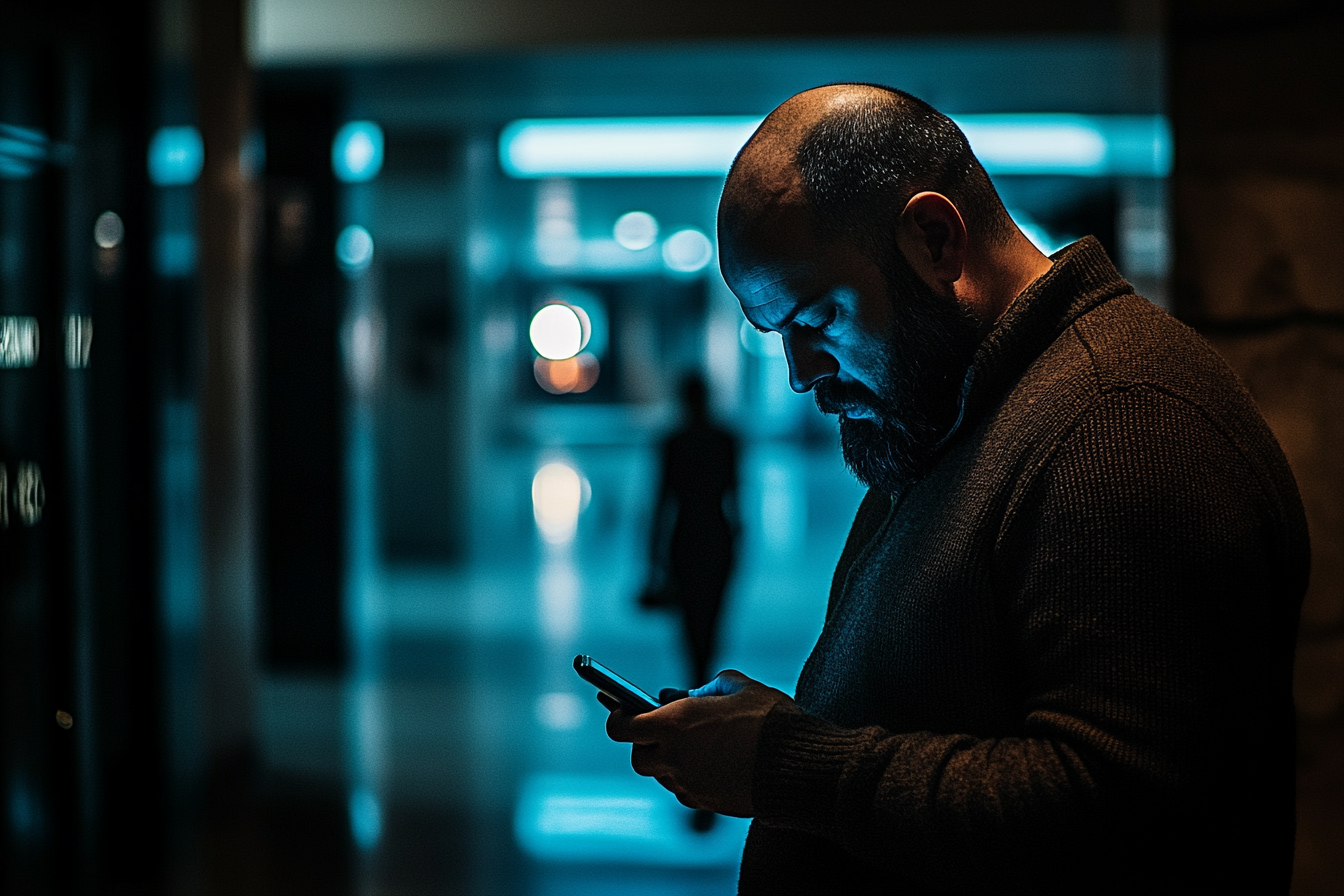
point(818, 325)
point(826, 323)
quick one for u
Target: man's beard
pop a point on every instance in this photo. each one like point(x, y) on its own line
point(927, 353)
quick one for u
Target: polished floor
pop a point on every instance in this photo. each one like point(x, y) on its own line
point(461, 754)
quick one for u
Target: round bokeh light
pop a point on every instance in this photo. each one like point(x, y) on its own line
point(687, 250)
point(354, 249)
point(569, 375)
point(636, 230)
point(108, 230)
point(357, 152)
point(557, 332)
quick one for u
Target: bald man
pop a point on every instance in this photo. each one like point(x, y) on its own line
point(1057, 656)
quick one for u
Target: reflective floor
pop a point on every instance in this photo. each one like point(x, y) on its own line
point(463, 754)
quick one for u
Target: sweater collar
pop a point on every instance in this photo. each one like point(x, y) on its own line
point(1081, 278)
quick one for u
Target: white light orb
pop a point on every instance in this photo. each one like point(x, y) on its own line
point(108, 230)
point(687, 251)
point(557, 332)
point(557, 498)
point(560, 711)
point(636, 230)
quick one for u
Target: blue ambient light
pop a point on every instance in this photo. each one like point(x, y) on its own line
point(762, 345)
point(22, 151)
point(176, 155)
point(1034, 143)
point(357, 152)
point(366, 818)
point(590, 818)
point(623, 147)
point(1086, 145)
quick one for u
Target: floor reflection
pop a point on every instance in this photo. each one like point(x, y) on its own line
point(463, 755)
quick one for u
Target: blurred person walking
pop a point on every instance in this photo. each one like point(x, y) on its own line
point(695, 525)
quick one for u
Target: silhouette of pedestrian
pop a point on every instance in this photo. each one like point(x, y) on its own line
point(696, 524)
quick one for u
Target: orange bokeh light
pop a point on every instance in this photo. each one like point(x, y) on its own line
point(576, 374)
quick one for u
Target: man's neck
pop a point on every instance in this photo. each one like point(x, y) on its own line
point(1003, 274)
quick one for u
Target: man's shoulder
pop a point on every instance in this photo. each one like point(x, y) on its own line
point(1127, 363)
point(1130, 343)
point(1126, 357)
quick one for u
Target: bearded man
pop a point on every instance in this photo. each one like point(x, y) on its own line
point(1057, 656)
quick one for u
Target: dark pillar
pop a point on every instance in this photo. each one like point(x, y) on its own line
point(1257, 102)
point(228, 480)
point(303, 407)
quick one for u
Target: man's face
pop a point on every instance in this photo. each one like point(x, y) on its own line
point(869, 337)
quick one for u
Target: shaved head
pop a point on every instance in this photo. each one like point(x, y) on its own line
point(849, 157)
point(765, 177)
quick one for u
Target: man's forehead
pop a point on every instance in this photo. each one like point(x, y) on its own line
point(771, 314)
point(768, 258)
point(767, 284)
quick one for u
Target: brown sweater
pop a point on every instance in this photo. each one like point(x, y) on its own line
point(1061, 662)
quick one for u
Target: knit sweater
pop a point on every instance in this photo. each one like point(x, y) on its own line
point(1061, 661)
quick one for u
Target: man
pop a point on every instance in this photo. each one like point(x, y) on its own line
point(1057, 656)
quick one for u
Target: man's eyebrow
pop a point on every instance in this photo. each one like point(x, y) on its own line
point(789, 318)
point(782, 273)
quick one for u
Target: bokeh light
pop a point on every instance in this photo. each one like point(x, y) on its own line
point(762, 345)
point(108, 230)
point(357, 152)
point(366, 817)
point(557, 497)
point(559, 331)
point(636, 230)
point(576, 374)
point(560, 711)
point(354, 249)
point(176, 156)
point(687, 251)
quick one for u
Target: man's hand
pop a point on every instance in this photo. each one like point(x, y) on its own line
point(702, 748)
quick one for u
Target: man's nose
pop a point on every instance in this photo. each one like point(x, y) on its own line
point(807, 362)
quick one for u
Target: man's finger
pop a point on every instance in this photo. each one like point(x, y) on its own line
point(608, 702)
point(618, 726)
point(727, 682)
point(648, 760)
point(633, 729)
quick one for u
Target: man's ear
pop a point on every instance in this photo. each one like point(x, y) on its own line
point(932, 236)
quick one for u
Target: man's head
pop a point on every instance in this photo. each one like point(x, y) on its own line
point(857, 223)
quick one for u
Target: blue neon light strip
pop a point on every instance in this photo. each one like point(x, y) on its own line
point(1084, 145)
point(623, 147)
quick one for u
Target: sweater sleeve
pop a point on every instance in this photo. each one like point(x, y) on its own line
point(1135, 572)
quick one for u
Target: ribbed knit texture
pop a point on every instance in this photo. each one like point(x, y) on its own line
point(1062, 661)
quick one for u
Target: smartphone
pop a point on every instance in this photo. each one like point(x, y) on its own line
point(632, 699)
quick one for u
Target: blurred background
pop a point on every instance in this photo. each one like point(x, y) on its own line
point(337, 340)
